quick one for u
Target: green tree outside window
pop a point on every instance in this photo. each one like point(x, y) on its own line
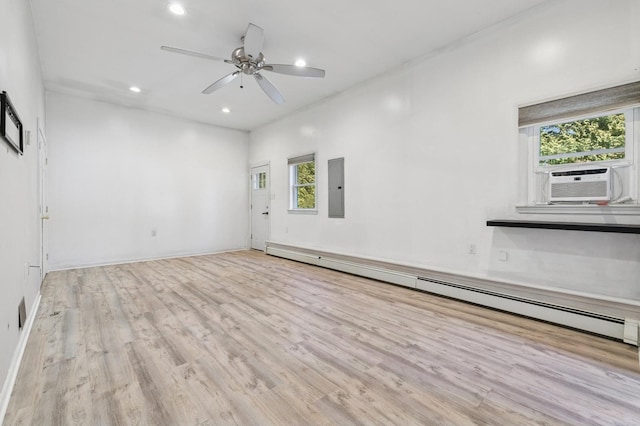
point(583, 137)
point(305, 185)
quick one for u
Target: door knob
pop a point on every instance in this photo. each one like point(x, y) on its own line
point(45, 217)
point(265, 213)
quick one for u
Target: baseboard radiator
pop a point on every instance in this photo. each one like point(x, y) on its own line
point(618, 320)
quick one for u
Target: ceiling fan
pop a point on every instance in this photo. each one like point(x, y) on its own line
point(249, 60)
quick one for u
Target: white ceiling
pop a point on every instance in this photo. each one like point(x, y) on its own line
point(98, 49)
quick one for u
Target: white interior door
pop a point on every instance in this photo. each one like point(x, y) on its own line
point(43, 215)
point(260, 200)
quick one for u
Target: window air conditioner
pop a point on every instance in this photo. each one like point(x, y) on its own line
point(584, 184)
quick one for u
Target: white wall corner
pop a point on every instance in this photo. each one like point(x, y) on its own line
point(631, 331)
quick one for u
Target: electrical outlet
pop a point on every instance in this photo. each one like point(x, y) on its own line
point(503, 256)
point(472, 248)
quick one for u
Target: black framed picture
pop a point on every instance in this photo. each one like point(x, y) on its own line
point(10, 124)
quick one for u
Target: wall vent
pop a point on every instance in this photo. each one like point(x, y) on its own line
point(22, 314)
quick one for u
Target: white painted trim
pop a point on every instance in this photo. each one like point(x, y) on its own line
point(259, 164)
point(573, 209)
point(369, 272)
point(12, 374)
point(147, 259)
point(603, 315)
point(292, 184)
point(379, 274)
point(445, 274)
point(303, 211)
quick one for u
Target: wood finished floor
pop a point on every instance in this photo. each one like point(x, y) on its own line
point(244, 338)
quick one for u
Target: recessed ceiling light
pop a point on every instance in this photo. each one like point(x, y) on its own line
point(135, 89)
point(301, 63)
point(176, 8)
point(226, 110)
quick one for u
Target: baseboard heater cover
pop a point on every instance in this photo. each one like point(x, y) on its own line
point(348, 267)
point(582, 320)
point(619, 328)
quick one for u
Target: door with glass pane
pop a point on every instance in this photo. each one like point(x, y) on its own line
point(259, 206)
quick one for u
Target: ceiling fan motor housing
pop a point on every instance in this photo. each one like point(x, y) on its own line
point(247, 65)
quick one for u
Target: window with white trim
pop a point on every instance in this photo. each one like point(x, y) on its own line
point(596, 129)
point(587, 140)
point(302, 183)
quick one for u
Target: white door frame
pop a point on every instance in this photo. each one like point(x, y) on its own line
point(43, 206)
point(266, 164)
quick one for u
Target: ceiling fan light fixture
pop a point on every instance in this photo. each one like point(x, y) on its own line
point(176, 9)
point(300, 63)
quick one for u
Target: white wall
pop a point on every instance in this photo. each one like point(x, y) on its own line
point(21, 78)
point(117, 174)
point(432, 152)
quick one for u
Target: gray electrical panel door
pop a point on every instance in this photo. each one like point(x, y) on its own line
point(336, 187)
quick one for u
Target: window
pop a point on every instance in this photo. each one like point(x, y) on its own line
point(599, 138)
point(260, 180)
point(302, 177)
point(597, 128)
point(588, 140)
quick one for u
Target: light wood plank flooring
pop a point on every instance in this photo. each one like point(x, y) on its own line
point(244, 338)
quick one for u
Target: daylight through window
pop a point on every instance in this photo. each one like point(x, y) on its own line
point(302, 175)
point(601, 138)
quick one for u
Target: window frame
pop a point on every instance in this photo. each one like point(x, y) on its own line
point(630, 140)
point(575, 107)
point(629, 167)
point(293, 164)
point(258, 180)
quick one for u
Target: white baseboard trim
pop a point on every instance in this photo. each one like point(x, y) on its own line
point(601, 315)
point(146, 259)
point(12, 374)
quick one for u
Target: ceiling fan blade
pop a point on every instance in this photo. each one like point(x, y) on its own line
point(253, 40)
point(294, 70)
point(269, 89)
point(192, 53)
point(222, 82)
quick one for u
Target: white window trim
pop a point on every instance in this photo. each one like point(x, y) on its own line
point(303, 211)
point(531, 136)
point(630, 141)
point(292, 186)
